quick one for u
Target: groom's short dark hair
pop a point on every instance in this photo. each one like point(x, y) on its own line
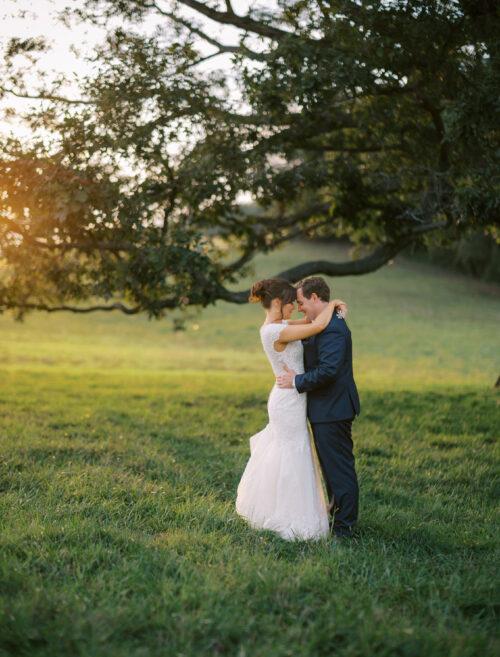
point(314, 284)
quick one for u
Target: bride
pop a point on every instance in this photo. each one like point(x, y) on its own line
point(281, 486)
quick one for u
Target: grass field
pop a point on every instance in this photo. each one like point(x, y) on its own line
point(123, 443)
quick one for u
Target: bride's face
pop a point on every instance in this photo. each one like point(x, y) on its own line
point(288, 309)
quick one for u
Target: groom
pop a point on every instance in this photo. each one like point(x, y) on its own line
point(332, 402)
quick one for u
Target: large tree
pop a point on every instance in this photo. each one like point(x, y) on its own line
point(375, 120)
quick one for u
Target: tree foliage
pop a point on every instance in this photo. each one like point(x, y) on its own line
point(376, 120)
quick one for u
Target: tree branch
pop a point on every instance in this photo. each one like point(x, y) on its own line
point(14, 227)
point(240, 119)
point(244, 22)
point(257, 242)
point(127, 310)
point(73, 309)
point(221, 47)
point(366, 265)
point(43, 96)
point(332, 148)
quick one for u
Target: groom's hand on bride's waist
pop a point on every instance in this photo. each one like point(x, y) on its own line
point(286, 380)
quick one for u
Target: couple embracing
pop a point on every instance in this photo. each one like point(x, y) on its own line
point(281, 488)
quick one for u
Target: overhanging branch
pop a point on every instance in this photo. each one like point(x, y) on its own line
point(221, 47)
point(366, 265)
point(92, 245)
point(127, 310)
point(47, 96)
point(134, 310)
point(257, 242)
point(246, 23)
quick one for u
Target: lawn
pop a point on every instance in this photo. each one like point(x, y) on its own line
point(123, 443)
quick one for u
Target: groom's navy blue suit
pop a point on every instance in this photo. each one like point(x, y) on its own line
point(332, 404)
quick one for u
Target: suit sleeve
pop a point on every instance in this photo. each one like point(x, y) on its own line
point(331, 353)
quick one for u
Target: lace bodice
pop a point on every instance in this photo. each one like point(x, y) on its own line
point(291, 356)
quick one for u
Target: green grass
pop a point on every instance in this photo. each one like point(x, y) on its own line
point(123, 444)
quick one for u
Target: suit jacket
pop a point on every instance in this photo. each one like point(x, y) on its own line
point(328, 379)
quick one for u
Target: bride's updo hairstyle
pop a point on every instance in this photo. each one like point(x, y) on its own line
point(272, 288)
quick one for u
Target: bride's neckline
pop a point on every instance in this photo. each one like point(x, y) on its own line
point(270, 323)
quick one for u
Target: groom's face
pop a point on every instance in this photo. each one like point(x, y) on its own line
point(309, 307)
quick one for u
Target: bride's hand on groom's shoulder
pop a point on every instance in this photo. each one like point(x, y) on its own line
point(340, 307)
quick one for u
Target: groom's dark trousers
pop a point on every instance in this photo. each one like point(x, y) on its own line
point(332, 404)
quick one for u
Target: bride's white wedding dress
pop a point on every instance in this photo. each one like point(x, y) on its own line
point(281, 486)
